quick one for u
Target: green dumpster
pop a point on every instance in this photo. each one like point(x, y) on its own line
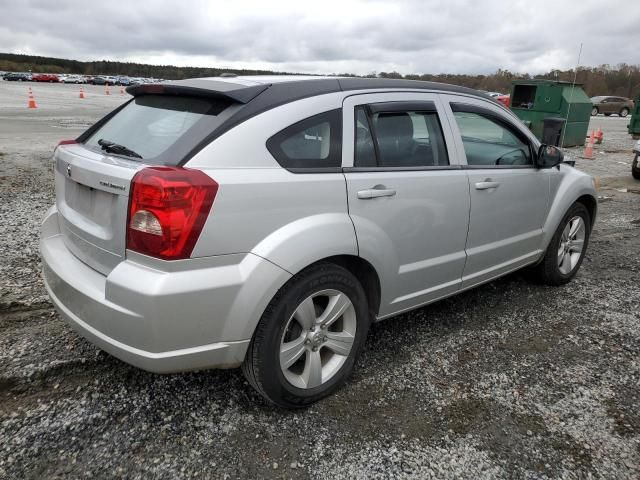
point(634, 122)
point(535, 100)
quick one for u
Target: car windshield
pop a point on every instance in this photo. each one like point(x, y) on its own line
point(597, 99)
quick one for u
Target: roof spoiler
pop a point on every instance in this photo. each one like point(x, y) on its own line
point(201, 88)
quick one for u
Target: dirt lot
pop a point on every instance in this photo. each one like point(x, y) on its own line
point(510, 380)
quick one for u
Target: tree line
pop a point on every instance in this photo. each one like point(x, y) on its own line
point(621, 80)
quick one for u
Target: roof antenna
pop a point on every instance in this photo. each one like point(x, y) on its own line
point(573, 87)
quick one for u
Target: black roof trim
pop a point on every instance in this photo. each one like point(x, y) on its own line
point(201, 88)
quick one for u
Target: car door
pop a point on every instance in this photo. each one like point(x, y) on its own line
point(611, 105)
point(408, 195)
point(509, 197)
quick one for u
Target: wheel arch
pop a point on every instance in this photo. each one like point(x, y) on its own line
point(575, 187)
point(591, 204)
point(366, 275)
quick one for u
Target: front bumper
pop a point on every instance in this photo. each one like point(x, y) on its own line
point(193, 314)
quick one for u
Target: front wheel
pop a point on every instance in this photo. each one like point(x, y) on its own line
point(635, 168)
point(567, 247)
point(594, 112)
point(624, 112)
point(309, 337)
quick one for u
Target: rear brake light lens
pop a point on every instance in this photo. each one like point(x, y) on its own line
point(168, 207)
point(66, 142)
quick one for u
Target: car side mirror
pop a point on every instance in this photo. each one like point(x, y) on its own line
point(549, 156)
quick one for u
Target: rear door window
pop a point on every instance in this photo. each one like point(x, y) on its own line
point(160, 128)
point(399, 138)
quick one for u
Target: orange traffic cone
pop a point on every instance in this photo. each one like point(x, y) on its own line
point(32, 102)
point(599, 136)
point(121, 90)
point(106, 89)
point(588, 149)
point(81, 93)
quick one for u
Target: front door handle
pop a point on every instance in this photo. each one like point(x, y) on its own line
point(376, 192)
point(486, 185)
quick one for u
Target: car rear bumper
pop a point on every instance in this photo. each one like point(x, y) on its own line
point(198, 314)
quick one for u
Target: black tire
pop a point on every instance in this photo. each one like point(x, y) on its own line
point(548, 270)
point(635, 169)
point(624, 112)
point(261, 366)
point(594, 112)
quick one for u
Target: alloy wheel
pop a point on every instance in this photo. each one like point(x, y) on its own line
point(571, 245)
point(318, 339)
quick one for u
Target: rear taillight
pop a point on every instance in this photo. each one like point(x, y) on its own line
point(167, 210)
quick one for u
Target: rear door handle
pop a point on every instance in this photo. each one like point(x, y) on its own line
point(376, 192)
point(486, 185)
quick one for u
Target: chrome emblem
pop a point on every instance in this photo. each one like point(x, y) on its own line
point(68, 169)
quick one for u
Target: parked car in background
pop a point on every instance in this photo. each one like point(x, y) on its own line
point(17, 77)
point(99, 80)
point(74, 79)
point(503, 99)
point(174, 243)
point(45, 77)
point(608, 105)
point(124, 81)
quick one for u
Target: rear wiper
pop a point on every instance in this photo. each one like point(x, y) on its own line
point(112, 147)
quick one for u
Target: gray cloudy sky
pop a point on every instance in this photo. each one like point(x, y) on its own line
point(327, 36)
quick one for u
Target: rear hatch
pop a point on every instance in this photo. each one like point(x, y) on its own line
point(92, 197)
point(93, 176)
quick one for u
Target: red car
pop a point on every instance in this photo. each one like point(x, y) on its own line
point(45, 77)
point(503, 99)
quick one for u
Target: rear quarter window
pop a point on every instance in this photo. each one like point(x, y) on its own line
point(313, 143)
point(160, 128)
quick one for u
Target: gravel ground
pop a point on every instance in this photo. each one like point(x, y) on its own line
point(510, 380)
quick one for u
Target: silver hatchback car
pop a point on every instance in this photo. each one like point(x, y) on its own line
point(268, 221)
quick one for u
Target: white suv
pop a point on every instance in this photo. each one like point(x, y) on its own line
point(267, 221)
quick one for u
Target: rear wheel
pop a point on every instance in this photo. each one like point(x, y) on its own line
point(624, 112)
point(567, 247)
point(307, 341)
point(635, 168)
point(594, 111)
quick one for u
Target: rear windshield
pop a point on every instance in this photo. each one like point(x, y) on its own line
point(161, 129)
